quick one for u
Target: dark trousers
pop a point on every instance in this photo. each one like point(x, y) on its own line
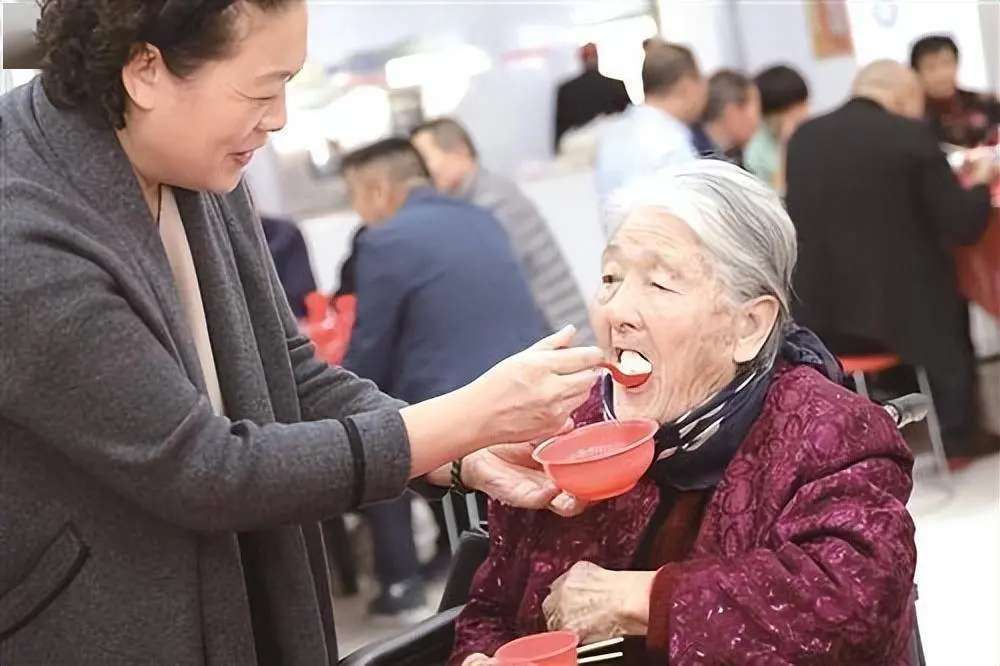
point(954, 384)
point(391, 525)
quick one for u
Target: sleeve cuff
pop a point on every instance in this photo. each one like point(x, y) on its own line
point(660, 605)
point(382, 461)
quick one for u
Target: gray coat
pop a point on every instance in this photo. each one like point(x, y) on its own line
point(126, 505)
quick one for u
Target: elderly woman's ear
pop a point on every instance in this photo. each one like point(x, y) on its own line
point(755, 320)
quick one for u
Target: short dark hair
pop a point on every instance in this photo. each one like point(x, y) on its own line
point(930, 45)
point(725, 87)
point(781, 88)
point(448, 134)
point(396, 154)
point(666, 65)
point(85, 44)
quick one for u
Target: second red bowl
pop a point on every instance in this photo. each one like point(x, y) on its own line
point(555, 648)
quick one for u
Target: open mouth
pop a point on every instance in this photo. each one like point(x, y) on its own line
point(633, 363)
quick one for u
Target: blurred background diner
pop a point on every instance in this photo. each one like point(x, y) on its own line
point(876, 121)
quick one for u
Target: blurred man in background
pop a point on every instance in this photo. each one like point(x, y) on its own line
point(291, 259)
point(731, 117)
point(784, 105)
point(440, 299)
point(876, 207)
point(587, 96)
point(656, 134)
point(453, 162)
point(958, 117)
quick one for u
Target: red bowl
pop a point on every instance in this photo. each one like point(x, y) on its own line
point(555, 648)
point(599, 461)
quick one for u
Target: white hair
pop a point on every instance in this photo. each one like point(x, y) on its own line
point(741, 222)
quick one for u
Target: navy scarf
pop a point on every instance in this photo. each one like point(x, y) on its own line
point(693, 451)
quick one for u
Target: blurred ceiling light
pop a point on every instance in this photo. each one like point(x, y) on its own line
point(619, 47)
point(538, 36)
point(312, 88)
point(359, 117)
point(602, 11)
point(620, 31)
point(423, 68)
point(442, 97)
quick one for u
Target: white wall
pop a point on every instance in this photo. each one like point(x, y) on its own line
point(774, 33)
point(989, 20)
point(887, 29)
point(708, 26)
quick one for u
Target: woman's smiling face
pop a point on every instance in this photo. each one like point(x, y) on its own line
point(660, 297)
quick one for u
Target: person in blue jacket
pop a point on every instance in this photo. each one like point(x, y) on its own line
point(291, 259)
point(440, 299)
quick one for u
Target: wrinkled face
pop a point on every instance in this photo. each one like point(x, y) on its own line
point(740, 121)
point(938, 73)
point(200, 132)
point(659, 297)
point(448, 169)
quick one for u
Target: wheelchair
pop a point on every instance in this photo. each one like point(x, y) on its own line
point(430, 642)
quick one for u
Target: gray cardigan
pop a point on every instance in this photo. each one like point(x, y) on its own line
point(125, 503)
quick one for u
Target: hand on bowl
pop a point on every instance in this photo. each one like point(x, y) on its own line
point(509, 474)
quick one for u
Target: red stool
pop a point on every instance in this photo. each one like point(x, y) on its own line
point(860, 366)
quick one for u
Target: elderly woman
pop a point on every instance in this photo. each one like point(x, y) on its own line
point(168, 440)
point(772, 526)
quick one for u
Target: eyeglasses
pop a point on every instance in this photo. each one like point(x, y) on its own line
point(178, 16)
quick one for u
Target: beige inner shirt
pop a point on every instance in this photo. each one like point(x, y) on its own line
point(175, 242)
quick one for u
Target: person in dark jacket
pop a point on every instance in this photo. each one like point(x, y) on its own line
point(876, 207)
point(587, 96)
point(959, 117)
point(291, 259)
point(440, 298)
point(348, 285)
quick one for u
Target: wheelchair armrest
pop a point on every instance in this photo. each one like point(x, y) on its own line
point(427, 644)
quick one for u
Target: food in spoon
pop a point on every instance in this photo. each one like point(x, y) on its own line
point(632, 369)
point(634, 363)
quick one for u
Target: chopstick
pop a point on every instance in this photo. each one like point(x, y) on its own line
point(601, 657)
point(584, 649)
point(594, 647)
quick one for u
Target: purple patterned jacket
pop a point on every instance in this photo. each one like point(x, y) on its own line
point(804, 553)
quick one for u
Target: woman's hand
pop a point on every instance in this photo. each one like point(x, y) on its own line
point(598, 604)
point(479, 660)
point(531, 395)
point(508, 473)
